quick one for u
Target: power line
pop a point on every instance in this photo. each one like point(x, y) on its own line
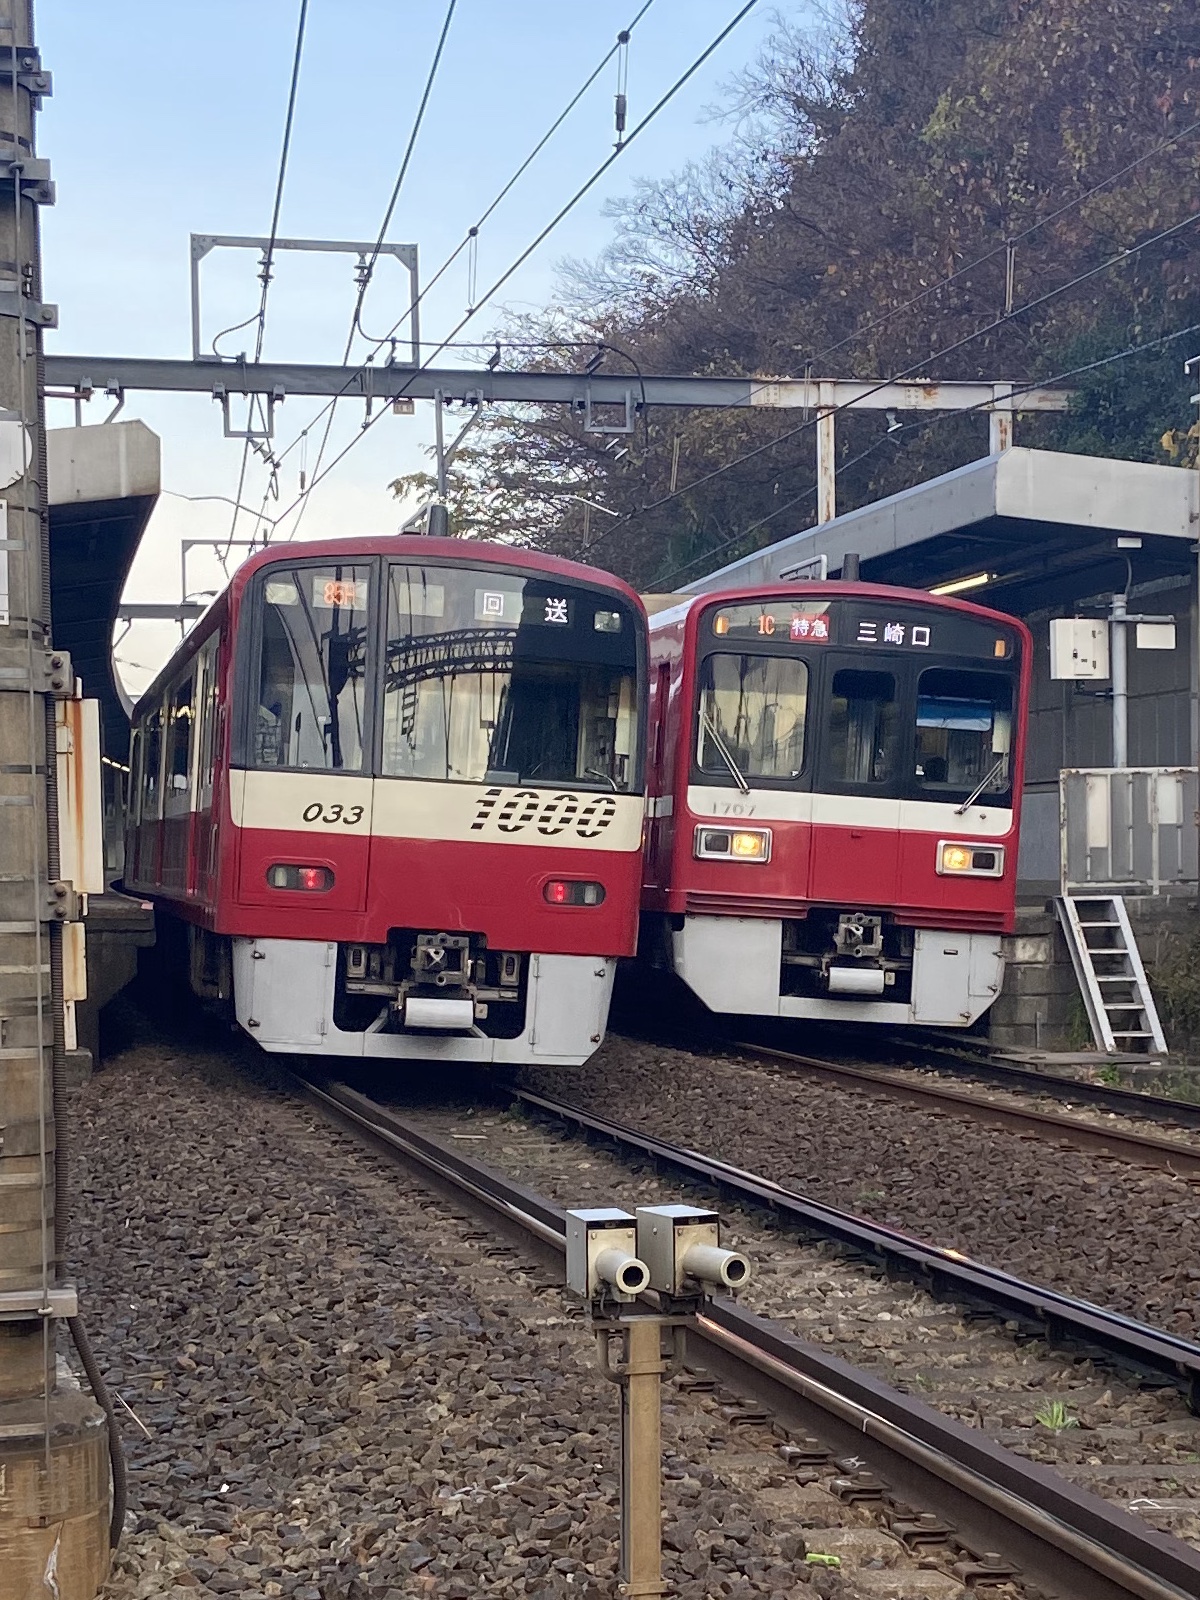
point(563, 211)
point(1001, 321)
point(1007, 244)
point(931, 422)
point(471, 234)
point(366, 274)
point(269, 254)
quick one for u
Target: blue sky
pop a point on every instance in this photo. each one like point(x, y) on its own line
point(167, 118)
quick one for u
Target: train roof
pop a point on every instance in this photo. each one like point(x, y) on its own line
point(416, 546)
point(670, 610)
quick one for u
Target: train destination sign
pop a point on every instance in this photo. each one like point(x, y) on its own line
point(863, 626)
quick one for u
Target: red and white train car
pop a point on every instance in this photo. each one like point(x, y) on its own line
point(388, 797)
point(835, 782)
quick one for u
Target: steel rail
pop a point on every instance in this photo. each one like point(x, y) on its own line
point(1010, 1074)
point(1060, 1533)
point(1094, 1328)
point(1145, 1149)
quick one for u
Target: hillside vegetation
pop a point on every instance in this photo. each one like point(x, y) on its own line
point(913, 189)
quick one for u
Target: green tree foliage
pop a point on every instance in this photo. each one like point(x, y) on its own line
point(905, 144)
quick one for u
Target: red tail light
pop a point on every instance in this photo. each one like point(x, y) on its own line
point(570, 892)
point(286, 875)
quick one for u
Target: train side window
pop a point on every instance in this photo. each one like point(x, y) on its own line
point(179, 758)
point(151, 761)
point(312, 680)
point(862, 727)
point(964, 732)
point(752, 716)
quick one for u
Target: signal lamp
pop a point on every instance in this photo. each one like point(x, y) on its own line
point(970, 860)
point(286, 875)
point(732, 844)
point(566, 892)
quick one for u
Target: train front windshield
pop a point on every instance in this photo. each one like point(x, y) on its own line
point(464, 674)
point(491, 677)
point(857, 697)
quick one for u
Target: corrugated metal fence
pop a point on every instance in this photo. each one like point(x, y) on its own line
point(1131, 830)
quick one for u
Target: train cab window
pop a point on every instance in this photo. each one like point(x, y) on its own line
point(863, 723)
point(180, 736)
point(151, 760)
point(964, 732)
point(312, 680)
point(752, 716)
point(502, 679)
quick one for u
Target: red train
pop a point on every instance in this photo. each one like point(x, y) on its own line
point(388, 796)
point(835, 783)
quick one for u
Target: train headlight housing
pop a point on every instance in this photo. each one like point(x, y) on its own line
point(732, 844)
point(958, 859)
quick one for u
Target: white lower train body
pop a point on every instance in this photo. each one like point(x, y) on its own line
point(284, 992)
point(734, 965)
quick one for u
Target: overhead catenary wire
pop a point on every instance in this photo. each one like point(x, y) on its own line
point(269, 253)
point(368, 270)
point(1121, 258)
point(470, 238)
point(564, 210)
point(920, 425)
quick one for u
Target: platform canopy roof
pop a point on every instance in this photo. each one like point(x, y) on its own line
point(1042, 525)
point(104, 481)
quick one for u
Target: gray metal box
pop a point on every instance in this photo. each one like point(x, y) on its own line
point(664, 1236)
point(590, 1232)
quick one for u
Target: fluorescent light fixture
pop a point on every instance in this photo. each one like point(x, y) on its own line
point(961, 585)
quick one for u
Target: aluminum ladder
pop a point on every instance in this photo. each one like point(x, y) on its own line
point(1112, 979)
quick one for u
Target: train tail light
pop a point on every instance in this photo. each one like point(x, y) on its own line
point(958, 859)
point(287, 875)
point(570, 892)
point(732, 844)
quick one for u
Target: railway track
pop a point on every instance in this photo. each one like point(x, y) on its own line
point(1006, 1517)
point(1122, 1143)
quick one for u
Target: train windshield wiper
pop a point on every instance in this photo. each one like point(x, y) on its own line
point(980, 787)
point(723, 751)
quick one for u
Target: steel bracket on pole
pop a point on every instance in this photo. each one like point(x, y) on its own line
point(52, 674)
point(14, 304)
point(27, 61)
point(34, 174)
point(367, 251)
point(593, 423)
point(63, 902)
point(255, 435)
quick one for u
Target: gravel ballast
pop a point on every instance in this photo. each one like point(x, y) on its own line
point(1102, 1229)
point(345, 1390)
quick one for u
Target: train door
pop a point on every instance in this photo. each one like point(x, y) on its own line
point(202, 857)
point(177, 784)
point(149, 776)
point(856, 803)
point(660, 783)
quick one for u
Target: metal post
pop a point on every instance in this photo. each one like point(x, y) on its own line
point(641, 1456)
point(440, 442)
point(53, 1474)
point(1120, 682)
point(1000, 420)
point(826, 466)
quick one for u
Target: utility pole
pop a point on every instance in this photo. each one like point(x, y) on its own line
point(53, 1452)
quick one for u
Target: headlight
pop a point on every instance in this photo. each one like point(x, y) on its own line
point(732, 844)
point(971, 860)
